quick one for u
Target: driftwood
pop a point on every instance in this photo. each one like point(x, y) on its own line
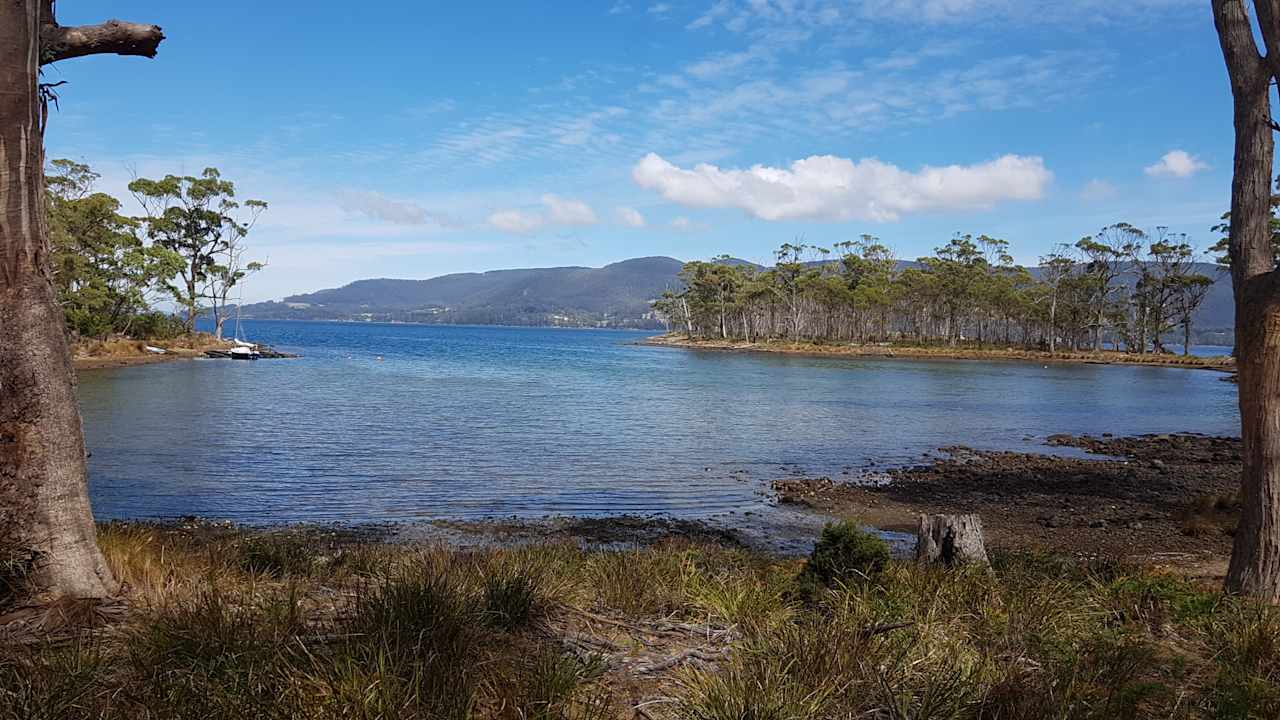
point(951, 540)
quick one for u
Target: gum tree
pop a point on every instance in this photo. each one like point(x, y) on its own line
point(44, 504)
point(1255, 559)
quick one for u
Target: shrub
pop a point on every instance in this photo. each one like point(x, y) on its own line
point(276, 555)
point(845, 553)
point(510, 600)
point(157, 326)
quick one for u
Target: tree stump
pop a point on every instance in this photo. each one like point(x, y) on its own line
point(951, 540)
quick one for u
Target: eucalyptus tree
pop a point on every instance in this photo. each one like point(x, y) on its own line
point(1104, 255)
point(959, 268)
point(44, 501)
point(1251, 71)
point(103, 273)
point(224, 276)
point(1056, 269)
point(792, 275)
point(198, 218)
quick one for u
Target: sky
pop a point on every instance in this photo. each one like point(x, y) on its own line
point(412, 139)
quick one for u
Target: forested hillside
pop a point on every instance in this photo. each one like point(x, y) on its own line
point(623, 294)
point(617, 295)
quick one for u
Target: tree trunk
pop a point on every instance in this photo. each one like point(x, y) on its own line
point(1053, 324)
point(1255, 558)
point(951, 540)
point(44, 502)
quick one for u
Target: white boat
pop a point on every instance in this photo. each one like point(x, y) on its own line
point(243, 350)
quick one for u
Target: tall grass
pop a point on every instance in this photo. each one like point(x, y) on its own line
point(367, 631)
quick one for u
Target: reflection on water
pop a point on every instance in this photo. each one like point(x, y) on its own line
point(471, 422)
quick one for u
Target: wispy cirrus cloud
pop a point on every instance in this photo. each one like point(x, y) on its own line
point(377, 206)
point(746, 15)
point(838, 189)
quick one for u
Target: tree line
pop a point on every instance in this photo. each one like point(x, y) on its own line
point(109, 269)
point(1123, 285)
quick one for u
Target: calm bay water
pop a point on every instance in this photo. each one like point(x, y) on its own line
point(467, 422)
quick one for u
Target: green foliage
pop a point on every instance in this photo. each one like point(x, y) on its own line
point(199, 220)
point(103, 272)
point(157, 326)
point(1119, 284)
point(846, 553)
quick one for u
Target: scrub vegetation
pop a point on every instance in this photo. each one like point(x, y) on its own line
point(304, 623)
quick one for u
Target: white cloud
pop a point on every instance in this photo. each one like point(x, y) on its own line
point(630, 216)
point(619, 8)
point(380, 207)
point(559, 211)
point(517, 221)
point(1177, 164)
point(824, 187)
point(565, 211)
point(659, 9)
point(1096, 190)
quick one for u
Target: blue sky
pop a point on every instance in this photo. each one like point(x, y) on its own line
point(413, 139)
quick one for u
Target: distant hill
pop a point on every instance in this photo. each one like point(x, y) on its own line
point(617, 295)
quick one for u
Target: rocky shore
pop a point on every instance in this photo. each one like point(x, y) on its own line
point(884, 350)
point(1164, 499)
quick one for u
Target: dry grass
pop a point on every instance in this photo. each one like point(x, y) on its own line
point(308, 624)
point(117, 349)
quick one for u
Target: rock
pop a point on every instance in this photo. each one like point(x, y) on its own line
point(1098, 524)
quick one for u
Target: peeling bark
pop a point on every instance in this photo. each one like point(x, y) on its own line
point(44, 501)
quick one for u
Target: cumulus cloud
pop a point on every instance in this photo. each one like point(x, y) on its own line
point(825, 187)
point(630, 217)
point(380, 207)
point(559, 211)
point(1176, 164)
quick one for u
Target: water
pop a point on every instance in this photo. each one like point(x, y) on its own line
point(468, 422)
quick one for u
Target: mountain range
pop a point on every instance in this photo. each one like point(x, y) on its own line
point(617, 295)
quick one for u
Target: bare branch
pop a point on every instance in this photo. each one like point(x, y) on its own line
point(112, 37)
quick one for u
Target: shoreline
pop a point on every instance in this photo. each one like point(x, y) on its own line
point(1164, 500)
point(910, 352)
point(1161, 500)
point(90, 362)
point(120, 353)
